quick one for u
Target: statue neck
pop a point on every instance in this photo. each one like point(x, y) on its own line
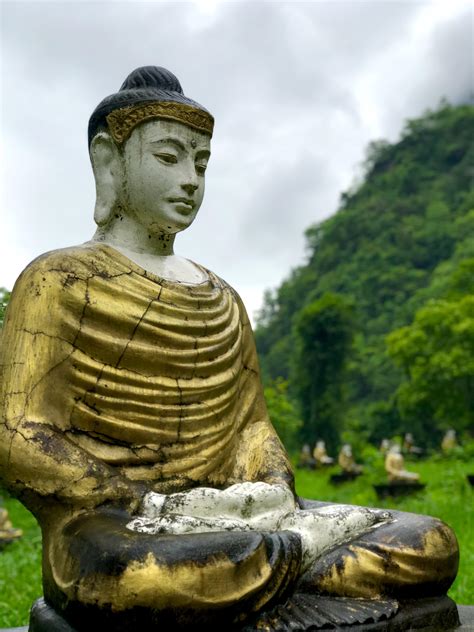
point(153, 253)
point(125, 233)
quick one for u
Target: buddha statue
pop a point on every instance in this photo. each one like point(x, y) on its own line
point(449, 442)
point(409, 446)
point(320, 454)
point(395, 467)
point(8, 533)
point(347, 462)
point(306, 459)
point(133, 423)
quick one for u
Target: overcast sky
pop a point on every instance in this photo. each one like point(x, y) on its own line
point(298, 90)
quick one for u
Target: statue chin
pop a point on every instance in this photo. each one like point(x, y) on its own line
point(136, 428)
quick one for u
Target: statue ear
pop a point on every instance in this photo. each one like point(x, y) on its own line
point(107, 167)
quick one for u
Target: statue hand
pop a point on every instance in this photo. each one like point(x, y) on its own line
point(322, 529)
point(258, 504)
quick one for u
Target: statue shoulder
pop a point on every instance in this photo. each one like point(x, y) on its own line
point(63, 268)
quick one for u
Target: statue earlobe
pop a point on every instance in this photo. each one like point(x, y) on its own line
point(106, 165)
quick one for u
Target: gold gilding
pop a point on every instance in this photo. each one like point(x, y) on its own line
point(133, 379)
point(122, 121)
point(388, 561)
point(152, 585)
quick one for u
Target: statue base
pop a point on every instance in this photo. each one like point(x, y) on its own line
point(398, 489)
point(343, 477)
point(300, 614)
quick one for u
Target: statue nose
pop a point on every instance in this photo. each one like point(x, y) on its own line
point(190, 187)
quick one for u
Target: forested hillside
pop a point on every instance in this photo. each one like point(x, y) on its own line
point(375, 333)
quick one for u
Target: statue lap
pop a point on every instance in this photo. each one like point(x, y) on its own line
point(96, 567)
point(96, 570)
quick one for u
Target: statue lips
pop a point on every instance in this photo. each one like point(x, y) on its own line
point(185, 205)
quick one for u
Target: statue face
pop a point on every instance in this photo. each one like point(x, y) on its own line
point(165, 164)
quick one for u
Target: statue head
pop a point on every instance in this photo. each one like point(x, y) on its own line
point(149, 147)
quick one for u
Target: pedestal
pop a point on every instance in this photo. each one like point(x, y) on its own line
point(398, 489)
point(303, 613)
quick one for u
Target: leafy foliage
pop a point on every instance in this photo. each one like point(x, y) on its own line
point(324, 330)
point(4, 298)
point(283, 413)
point(394, 244)
point(436, 353)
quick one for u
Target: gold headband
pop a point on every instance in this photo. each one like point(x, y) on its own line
point(121, 122)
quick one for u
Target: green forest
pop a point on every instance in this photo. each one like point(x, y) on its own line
point(374, 335)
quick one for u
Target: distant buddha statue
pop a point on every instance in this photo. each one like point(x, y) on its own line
point(133, 423)
point(347, 462)
point(320, 455)
point(384, 446)
point(395, 467)
point(449, 441)
point(409, 446)
point(306, 459)
point(8, 533)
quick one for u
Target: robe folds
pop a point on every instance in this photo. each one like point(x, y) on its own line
point(114, 383)
point(112, 375)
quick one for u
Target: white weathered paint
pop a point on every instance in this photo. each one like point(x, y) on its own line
point(255, 507)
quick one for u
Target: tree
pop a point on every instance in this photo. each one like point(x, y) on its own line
point(436, 353)
point(324, 331)
point(283, 413)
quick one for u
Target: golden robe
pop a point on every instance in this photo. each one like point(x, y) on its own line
point(112, 375)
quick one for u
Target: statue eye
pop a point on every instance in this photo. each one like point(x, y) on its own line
point(170, 159)
point(201, 168)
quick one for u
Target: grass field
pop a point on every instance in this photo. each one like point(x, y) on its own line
point(447, 496)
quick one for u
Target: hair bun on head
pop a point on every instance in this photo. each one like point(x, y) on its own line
point(152, 77)
point(161, 95)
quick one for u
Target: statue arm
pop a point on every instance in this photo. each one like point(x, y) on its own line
point(260, 455)
point(37, 459)
point(38, 462)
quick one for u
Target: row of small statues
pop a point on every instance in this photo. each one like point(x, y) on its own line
point(394, 461)
point(448, 443)
point(393, 452)
point(320, 458)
